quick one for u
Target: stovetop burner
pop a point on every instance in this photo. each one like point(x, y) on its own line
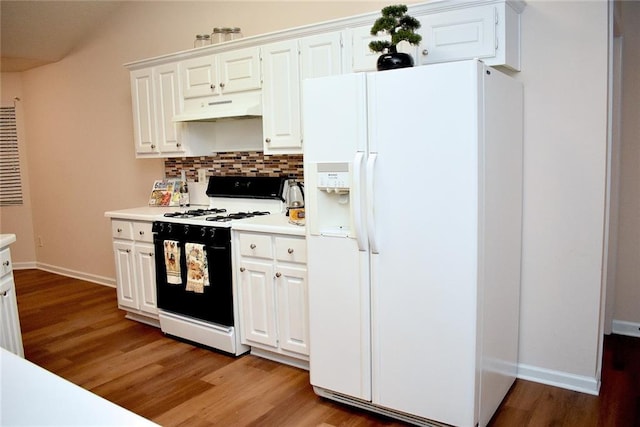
point(194, 213)
point(236, 215)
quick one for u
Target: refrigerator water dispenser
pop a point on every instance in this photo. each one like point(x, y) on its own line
point(330, 215)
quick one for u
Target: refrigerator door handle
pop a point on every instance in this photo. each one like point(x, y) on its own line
point(371, 163)
point(356, 200)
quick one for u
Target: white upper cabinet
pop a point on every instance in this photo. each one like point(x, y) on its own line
point(263, 75)
point(219, 74)
point(321, 55)
point(155, 100)
point(143, 104)
point(281, 98)
point(168, 104)
point(488, 32)
point(363, 58)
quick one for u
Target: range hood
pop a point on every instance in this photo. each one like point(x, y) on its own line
point(240, 106)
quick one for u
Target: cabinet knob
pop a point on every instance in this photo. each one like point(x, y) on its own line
point(212, 86)
point(221, 85)
point(290, 250)
point(252, 246)
point(128, 251)
point(6, 263)
point(278, 274)
point(242, 269)
point(178, 144)
point(153, 146)
point(150, 253)
point(4, 294)
point(268, 140)
point(425, 52)
point(119, 230)
point(141, 233)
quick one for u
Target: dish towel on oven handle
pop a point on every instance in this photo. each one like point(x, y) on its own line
point(197, 267)
point(172, 262)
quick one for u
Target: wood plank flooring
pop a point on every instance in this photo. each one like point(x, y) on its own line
point(74, 329)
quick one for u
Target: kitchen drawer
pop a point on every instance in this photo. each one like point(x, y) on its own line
point(255, 245)
point(5, 262)
point(121, 229)
point(142, 232)
point(291, 249)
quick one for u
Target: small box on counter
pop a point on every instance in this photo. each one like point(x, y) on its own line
point(165, 192)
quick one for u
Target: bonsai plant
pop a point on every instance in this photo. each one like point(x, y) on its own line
point(401, 27)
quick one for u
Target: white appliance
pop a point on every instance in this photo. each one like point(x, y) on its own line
point(414, 204)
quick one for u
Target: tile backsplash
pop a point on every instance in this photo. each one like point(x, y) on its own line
point(246, 163)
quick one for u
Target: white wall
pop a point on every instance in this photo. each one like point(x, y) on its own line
point(627, 301)
point(564, 71)
point(17, 219)
point(80, 153)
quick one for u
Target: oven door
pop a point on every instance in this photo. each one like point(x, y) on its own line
point(214, 301)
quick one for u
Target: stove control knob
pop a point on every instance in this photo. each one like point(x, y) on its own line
point(169, 228)
point(203, 232)
point(186, 229)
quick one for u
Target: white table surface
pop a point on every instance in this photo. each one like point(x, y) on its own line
point(32, 396)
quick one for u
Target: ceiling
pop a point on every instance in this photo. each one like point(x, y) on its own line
point(35, 33)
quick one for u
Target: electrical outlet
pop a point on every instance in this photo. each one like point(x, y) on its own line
point(40, 243)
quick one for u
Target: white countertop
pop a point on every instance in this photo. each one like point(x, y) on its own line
point(34, 396)
point(274, 223)
point(7, 239)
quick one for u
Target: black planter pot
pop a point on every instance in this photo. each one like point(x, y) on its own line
point(393, 60)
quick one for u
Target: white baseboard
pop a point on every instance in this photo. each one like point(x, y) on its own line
point(100, 280)
point(621, 327)
point(589, 385)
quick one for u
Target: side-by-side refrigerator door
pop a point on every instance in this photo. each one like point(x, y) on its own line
point(335, 139)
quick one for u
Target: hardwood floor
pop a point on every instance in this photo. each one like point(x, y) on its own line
point(74, 329)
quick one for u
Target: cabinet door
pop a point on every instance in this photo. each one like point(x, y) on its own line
point(459, 34)
point(321, 55)
point(143, 104)
point(125, 275)
point(199, 77)
point(168, 104)
point(257, 303)
point(240, 70)
point(363, 58)
point(146, 277)
point(293, 326)
point(281, 98)
point(10, 334)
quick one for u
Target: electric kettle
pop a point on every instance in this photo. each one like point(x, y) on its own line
point(294, 196)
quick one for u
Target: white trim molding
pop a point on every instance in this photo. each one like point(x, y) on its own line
point(583, 384)
point(621, 327)
point(100, 280)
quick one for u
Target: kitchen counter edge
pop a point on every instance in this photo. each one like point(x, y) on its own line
point(277, 223)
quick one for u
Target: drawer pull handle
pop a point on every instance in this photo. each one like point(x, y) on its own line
point(141, 233)
point(150, 253)
point(252, 246)
point(242, 269)
point(278, 274)
point(119, 230)
point(290, 250)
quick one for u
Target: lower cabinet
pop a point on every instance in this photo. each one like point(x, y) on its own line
point(272, 292)
point(135, 269)
point(10, 332)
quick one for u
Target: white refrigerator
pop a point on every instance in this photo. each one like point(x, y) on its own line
point(413, 183)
